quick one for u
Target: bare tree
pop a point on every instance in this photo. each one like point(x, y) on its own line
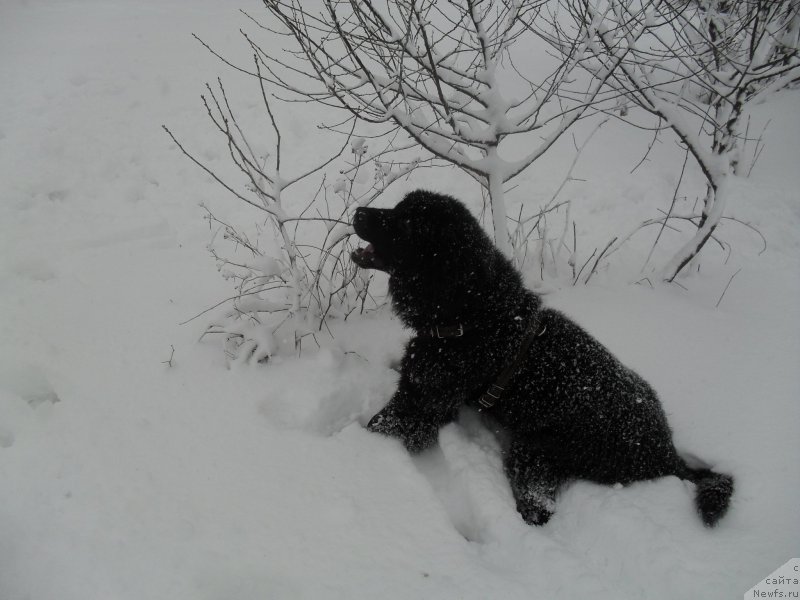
point(294, 284)
point(449, 74)
point(699, 66)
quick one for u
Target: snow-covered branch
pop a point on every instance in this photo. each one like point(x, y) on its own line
point(698, 66)
point(287, 283)
point(432, 70)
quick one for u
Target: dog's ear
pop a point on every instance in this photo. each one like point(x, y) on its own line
point(406, 226)
point(417, 229)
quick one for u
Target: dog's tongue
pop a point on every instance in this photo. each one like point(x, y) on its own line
point(366, 257)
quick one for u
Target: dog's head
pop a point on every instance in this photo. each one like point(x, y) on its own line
point(426, 232)
point(443, 267)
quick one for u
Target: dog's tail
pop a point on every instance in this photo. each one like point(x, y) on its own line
point(713, 494)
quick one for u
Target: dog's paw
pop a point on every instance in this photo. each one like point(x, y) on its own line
point(382, 423)
point(534, 513)
point(415, 435)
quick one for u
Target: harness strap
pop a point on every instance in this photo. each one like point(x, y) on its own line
point(495, 392)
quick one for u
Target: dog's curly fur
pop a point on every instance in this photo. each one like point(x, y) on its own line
point(571, 411)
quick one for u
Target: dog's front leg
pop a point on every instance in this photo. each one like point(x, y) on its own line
point(416, 435)
point(403, 419)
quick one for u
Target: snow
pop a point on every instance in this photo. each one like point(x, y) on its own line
point(129, 472)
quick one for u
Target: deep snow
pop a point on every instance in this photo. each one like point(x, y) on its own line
point(124, 477)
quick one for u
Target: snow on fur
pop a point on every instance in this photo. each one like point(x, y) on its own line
point(570, 410)
point(131, 472)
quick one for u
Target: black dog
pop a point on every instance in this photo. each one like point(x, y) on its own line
point(568, 407)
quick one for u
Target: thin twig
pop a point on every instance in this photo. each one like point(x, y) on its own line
point(168, 362)
point(583, 267)
point(669, 212)
point(596, 262)
point(726, 288)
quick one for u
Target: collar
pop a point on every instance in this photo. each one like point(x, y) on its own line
point(446, 331)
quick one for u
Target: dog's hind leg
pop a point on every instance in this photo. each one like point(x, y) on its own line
point(535, 480)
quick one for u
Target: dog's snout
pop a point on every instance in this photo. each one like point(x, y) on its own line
point(360, 220)
point(361, 216)
point(367, 219)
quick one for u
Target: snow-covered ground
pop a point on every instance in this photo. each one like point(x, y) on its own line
point(122, 477)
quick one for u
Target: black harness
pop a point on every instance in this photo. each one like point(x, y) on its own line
point(494, 393)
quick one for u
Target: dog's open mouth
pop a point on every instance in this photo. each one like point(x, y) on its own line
point(366, 258)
